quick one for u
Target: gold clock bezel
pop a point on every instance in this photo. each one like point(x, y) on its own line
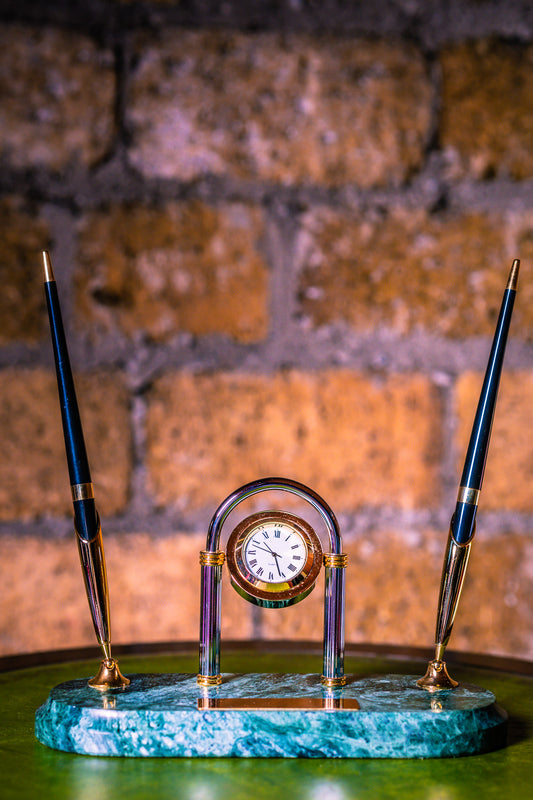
point(265, 593)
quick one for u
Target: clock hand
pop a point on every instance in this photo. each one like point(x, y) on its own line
point(277, 563)
point(267, 550)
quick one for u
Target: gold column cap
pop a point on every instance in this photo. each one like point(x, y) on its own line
point(209, 680)
point(335, 560)
point(210, 558)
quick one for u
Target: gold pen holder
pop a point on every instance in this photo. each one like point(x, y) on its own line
point(109, 676)
point(436, 678)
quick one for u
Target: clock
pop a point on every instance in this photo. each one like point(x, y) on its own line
point(273, 559)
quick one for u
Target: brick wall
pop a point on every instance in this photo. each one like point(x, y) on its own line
point(281, 233)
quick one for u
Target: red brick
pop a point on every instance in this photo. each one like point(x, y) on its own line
point(356, 440)
point(33, 471)
point(22, 305)
point(392, 586)
point(509, 468)
point(57, 92)
point(182, 268)
point(154, 587)
point(494, 615)
point(487, 109)
point(283, 108)
point(406, 271)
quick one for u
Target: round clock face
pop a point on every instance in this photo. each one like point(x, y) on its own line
point(274, 559)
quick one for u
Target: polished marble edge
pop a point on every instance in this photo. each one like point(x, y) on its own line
point(157, 715)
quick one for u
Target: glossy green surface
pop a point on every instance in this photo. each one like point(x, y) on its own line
point(30, 770)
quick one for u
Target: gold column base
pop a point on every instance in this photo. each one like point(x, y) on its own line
point(109, 676)
point(209, 680)
point(436, 678)
point(332, 683)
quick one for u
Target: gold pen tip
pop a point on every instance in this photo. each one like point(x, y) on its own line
point(513, 275)
point(47, 265)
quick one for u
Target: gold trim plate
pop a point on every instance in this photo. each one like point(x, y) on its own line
point(278, 704)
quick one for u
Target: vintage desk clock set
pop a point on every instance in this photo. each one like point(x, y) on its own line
point(273, 559)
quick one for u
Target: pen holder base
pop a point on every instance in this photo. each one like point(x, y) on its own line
point(109, 676)
point(436, 678)
point(263, 715)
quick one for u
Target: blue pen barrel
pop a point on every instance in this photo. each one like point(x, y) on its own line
point(476, 455)
point(86, 519)
point(78, 464)
point(463, 524)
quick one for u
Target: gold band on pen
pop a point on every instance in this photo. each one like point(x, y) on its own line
point(210, 558)
point(335, 560)
point(468, 495)
point(82, 491)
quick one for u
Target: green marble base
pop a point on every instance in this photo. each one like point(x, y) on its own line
point(170, 715)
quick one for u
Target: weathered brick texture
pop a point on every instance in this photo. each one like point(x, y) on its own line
point(181, 268)
point(347, 436)
point(407, 271)
point(289, 109)
point(22, 305)
point(392, 583)
point(495, 611)
point(487, 109)
point(391, 593)
point(58, 94)
point(509, 470)
point(33, 469)
point(154, 589)
point(241, 215)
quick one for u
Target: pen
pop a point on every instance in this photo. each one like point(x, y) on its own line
point(463, 522)
point(86, 519)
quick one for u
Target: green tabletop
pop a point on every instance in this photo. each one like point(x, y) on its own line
point(28, 769)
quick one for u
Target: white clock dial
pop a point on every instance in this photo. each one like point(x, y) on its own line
point(275, 552)
point(273, 558)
